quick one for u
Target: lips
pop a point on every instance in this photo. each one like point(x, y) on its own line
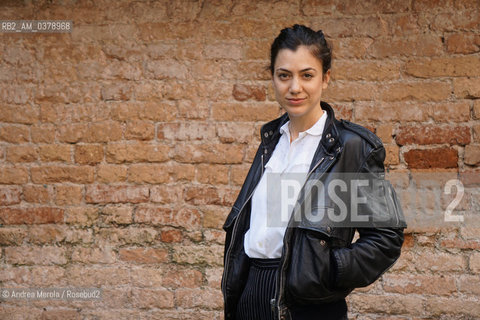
point(296, 101)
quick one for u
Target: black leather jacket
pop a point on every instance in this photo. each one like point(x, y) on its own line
point(319, 262)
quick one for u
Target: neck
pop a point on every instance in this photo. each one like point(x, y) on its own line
point(303, 123)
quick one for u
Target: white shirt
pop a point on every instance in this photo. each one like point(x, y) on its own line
point(277, 190)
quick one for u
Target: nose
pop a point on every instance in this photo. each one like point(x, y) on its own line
point(295, 86)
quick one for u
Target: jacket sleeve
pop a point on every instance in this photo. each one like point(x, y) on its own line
point(377, 249)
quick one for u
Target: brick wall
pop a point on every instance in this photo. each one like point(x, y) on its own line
point(124, 143)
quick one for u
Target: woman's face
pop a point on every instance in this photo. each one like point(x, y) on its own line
point(298, 82)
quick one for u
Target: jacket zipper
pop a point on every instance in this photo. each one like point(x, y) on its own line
point(282, 266)
point(227, 260)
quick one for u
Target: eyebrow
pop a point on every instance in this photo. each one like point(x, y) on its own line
point(303, 70)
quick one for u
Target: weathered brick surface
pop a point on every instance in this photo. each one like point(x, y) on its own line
point(124, 144)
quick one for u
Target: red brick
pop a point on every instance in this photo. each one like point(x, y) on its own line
point(389, 304)
point(243, 92)
point(200, 110)
point(116, 194)
point(214, 216)
point(68, 194)
point(422, 91)
point(10, 195)
point(47, 234)
point(163, 69)
point(88, 154)
point(93, 255)
point(186, 131)
point(418, 45)
point(201, 194)
point(72, 133)
point(166, 193)
point(454, 20)
point(467, 88)
point(49, 174)
point(244, 112)
point(143, 255)
point(419, 284)
point(469, 284)
point(85, 275)
point(134, 236)
point(476, 109)
point(463, 43)
point(472, 154)
point(238, 174)
point(451, 111)
point(235, 132)
point(116, 92)
point(212, 174)
point(22, 153)
point(103, 132)
point(199, 297)
point(210, 153)
point(12, 236)
point(82, 215)
point(137, 152)
point(437, 307)
point(367, 70)
point(350, 91)
point(171, 236)
point(31, 215)
point(160, 173)
point(55, 152)
point(180, 277)
point(61, 314)
point(35, 255)
point(205, 69)
point(463, 66)
point(185, 217)
point(351, 47)
point(24, 114)
point(14, 133)
point(38, 193)
point(431, 158)
point(461, 244)
point(404, 111)
point(152, 298)
point(433, 134)
point(117, 214)
point(111, 173)
point(140, 130)
point(392, 154)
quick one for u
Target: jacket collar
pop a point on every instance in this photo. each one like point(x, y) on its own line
point(270, 132)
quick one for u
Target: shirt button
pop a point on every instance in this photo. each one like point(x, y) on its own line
point(322, 242)
point(331, 140)
point(271, 132)
point(329, 229)
point(266, 134)
point(328, 135)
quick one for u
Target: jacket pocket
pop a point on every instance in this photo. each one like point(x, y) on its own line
point(311, 273)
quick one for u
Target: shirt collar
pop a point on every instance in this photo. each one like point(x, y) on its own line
point(315, 130)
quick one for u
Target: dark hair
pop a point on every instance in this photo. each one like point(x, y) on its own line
point(292, 38)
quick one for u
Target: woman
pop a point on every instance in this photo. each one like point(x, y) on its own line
point(293, 267)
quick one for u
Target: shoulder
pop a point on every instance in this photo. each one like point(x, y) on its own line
point(352, 132)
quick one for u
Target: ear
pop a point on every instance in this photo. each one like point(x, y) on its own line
point(326, 79)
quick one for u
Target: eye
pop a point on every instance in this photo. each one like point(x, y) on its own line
point(283, 76)
point(308, 76)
